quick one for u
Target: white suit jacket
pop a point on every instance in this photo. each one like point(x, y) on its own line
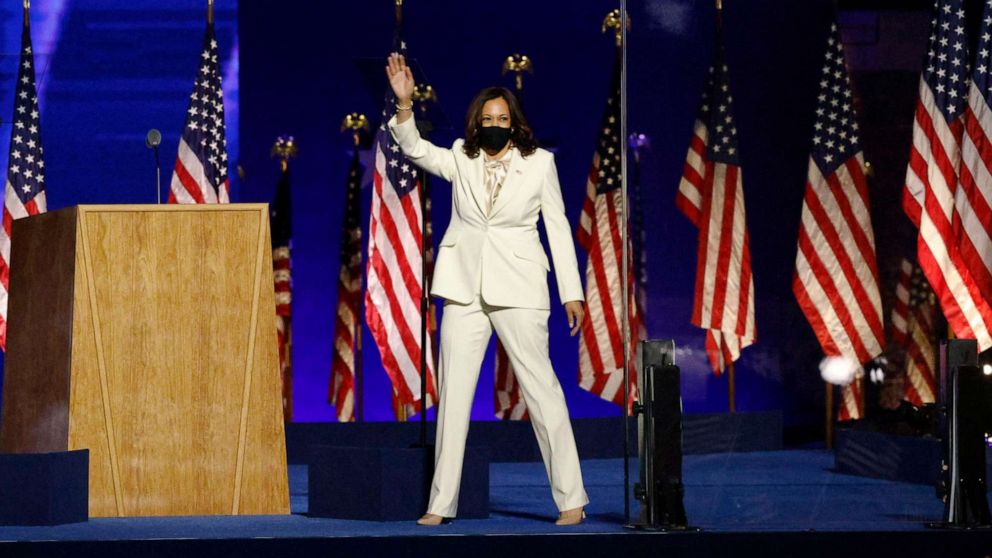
point(499, 256)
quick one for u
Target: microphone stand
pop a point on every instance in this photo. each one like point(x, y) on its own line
point(158, 177)
point(152, 140)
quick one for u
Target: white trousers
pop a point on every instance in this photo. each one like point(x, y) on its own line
point(465, 333)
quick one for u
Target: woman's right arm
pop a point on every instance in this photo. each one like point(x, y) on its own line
point(426, 155)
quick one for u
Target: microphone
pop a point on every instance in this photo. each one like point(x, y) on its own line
point(152, 140)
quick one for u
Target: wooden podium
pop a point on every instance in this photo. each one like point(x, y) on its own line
point(146, 333)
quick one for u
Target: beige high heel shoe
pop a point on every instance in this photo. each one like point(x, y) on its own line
point(573, 516)
point(432, 520)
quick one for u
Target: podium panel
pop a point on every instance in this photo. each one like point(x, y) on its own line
point(146, 334)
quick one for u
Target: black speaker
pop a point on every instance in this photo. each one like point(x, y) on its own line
point(963, 397)
point(660, 437)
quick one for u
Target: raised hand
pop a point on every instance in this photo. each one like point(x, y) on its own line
point(400, 78)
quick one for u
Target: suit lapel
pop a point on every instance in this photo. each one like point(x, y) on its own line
point(513, 175)
point(477, 182)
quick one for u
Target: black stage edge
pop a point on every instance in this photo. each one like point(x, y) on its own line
point(864, 452)
point(808, 544)
point(513, 441)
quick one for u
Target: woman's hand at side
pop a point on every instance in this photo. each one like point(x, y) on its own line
point(576, 313)
point(401, 80)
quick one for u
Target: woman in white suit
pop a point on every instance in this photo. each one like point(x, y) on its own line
point(492, 272)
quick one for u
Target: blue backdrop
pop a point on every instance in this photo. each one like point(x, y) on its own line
point(111, 69)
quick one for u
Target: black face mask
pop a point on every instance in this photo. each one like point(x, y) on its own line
point(493, 138)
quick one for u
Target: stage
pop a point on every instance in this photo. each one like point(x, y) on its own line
point(776, 503)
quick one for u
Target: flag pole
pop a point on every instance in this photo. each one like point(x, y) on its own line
point(731, 389)
point(829, 415)
point(423, 94)
point(210, 11)
point(356, 122)
point(731, 376)
point(27, 12)
point(625, 257)
point(357, 333)
point(284, 149)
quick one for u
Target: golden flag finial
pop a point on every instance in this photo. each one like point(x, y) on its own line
point(284, 148)
point(518, 64)
point(613, 21)
point(424, 93)
point(356, 122)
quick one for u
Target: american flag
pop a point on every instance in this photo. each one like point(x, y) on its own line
point(601, 342)
point(201, 165)
point(711, 195)
point(24, 194)
point(347, 327)
point(913, 316)
point(281, 222)
point(395, 282)
point(836, 277)
point(508, 401)
point(973, 200)
point(932, 198)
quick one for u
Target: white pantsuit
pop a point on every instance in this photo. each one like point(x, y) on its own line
point(492, 271)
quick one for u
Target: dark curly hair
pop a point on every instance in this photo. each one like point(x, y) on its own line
point(521, 135)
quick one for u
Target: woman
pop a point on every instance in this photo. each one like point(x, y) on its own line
point(492, 272)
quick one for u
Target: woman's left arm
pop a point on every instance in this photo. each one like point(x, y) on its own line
point(560, 239)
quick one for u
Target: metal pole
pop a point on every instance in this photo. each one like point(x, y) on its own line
point(425, 298)
point(731, 389)
point(829, 415)
point(625, 258)
point(731, 380)
point(357, 334)
point(424, 306)
point(158, 178)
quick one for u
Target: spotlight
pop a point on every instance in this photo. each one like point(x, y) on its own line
point(839, 370)
point(987, 369)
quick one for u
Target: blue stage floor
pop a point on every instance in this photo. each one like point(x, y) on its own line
point(745, 492)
